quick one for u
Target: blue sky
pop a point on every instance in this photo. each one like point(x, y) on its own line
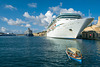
point(17, 15)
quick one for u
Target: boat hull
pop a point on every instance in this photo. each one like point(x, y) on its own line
point(78, 60)
point(68, 28)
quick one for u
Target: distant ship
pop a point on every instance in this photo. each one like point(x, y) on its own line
point(67, 25)
point(7, 34)
point(28, 32)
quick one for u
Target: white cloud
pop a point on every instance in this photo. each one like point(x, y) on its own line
point(45, 19)
point(28, 25)
point(32, 5)
point(4, 19)
point(3, 29)
point(10, 7)
point(17, 22)
point(49, 17)
point(57, 10)
point(70, 10)
point(41, 20)
point(26, 14)
point(12, 22)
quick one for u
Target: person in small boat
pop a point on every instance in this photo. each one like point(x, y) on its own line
point(73, 55)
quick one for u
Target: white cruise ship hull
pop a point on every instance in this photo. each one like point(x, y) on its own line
point(68, 28)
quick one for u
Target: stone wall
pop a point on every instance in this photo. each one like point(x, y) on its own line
point(89, 35)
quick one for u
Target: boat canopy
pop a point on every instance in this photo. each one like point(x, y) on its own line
point(74, 50)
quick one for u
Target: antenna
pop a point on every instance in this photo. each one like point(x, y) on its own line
point(89, 13)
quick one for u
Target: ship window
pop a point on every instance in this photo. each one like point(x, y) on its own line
point(70, 30)
point(70, 16)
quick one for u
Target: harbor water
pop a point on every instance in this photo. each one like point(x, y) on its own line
point(20, 51)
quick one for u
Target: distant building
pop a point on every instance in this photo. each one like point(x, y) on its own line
point(43, 33)
point(35, 34)
point(28, 32)
point(1, 33)
point(7, 34)
point(89, 35)
point(92, 32)
point(20, 34)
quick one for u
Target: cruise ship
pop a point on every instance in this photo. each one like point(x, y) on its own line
point(67, 25)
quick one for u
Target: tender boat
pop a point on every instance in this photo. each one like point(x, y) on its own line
point(74, 54)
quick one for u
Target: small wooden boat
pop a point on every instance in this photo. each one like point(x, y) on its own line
point(74, 54)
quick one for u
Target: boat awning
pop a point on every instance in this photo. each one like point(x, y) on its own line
point(74, 50)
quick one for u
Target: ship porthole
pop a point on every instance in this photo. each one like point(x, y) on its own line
point(70, 30)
